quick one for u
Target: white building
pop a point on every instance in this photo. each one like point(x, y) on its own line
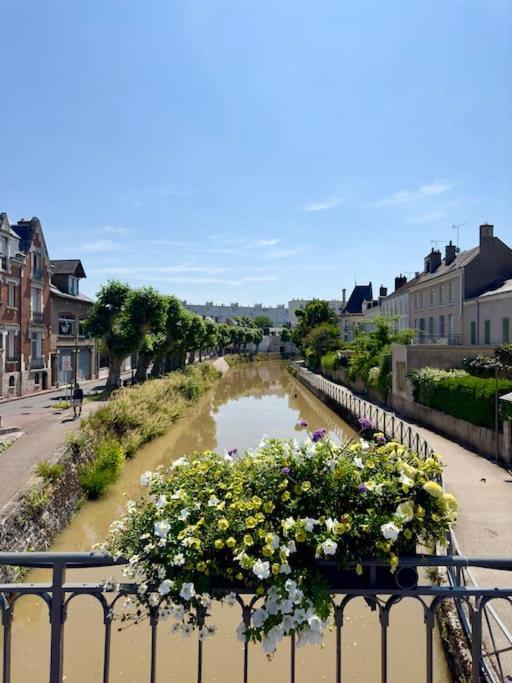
point(486, 319)
point(223, 312)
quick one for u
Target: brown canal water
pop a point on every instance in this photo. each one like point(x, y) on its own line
point(247, 403)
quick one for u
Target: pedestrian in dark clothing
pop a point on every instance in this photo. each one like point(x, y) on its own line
point(78, 397)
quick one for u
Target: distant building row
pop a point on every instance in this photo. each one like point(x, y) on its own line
point(42, 340)
point(464, 297)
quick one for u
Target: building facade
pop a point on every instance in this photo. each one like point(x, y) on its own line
point(437, 296)
point(25, 309)
point(488, 317)
point(222, 313)
point(73, 355)
point(295, 305)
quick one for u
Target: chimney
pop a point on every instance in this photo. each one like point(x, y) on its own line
point(383, 292)
point(432, 261)
point(343, 296)
point(486, 232)
point(400, 281)
point(450, 253)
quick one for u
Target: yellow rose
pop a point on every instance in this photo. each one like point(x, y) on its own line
point(248, 540)
point(231, 542)
point(218, 543)
point(267, 551)
point(433, 489)
point(275, 568)
point(223, 524)
point(306, 486)
point(250, 522)
point(269, 507)
point(450, 501)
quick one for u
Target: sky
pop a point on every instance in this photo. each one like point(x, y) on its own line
point(255, 150)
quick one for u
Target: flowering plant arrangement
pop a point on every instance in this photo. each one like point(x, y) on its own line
point(264, 520)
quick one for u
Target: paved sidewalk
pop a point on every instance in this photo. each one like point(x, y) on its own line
point(45, 431)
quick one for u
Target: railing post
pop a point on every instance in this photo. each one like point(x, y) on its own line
point(476, 641)
point(57, 618)
point(6, 623)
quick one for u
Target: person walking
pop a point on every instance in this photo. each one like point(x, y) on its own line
point(78, 397)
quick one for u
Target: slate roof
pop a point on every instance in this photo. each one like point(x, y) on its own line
point(462, 259)
point(55, 291)
point(501, 287)
point(25, 231)
point(68, 267)
point(359, 294)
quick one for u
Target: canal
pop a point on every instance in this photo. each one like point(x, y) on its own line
point(248, 402)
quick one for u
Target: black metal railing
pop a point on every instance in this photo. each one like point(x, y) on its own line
point(440, 339)
point(57, 594)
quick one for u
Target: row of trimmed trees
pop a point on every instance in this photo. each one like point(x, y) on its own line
point(159, 329)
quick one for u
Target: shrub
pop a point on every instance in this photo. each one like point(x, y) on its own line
point(96, 476)
point(504, 355)
point(330, 361)
point(373, 378)
point(36, 499)
point(50, 472)
point(481, 366)
point(61, 405)
point(456, 393)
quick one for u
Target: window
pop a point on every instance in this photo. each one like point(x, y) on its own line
point(73, 285)
point(36, 378)
point(66, 325)
point(81, 329)
point(5, 252)
point(451, 290)
point(11, 381)
point(36, 345)
point(441, 295)
point(421, 299)
point(431, 326)
point(11, 345)
point(37, 266)
point(487, 331)
point(451, 325)
point(441, 326)
point(432, 296)
point(36, 296)
point(11, 294)
point(505, 325)
point(473, 332)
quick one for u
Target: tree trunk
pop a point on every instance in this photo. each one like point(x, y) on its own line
point(142, 366)
point(158, 366)
point(114, 373)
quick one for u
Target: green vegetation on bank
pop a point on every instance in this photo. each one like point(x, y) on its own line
point(456, 393)
point(132, 417)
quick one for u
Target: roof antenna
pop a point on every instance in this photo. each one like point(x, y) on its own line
point(457, 227)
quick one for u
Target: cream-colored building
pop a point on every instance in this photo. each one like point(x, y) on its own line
point(488, 317)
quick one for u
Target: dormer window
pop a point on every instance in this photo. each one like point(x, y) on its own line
point(73, 285)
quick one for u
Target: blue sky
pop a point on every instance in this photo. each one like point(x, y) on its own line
point(255, 151)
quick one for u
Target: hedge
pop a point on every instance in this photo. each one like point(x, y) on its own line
point(456, 393)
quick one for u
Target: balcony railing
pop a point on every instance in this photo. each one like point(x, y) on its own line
point(441, 339)
point(37, 274)
point(36, 363)
point(57, 594)
point(37, 317)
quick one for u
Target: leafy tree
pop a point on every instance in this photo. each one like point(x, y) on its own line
point(320, 339)
point(257, 337)
point(121, 317)
point(315, 313)
point(286, 335)
point(263, 321)
point(166, 354)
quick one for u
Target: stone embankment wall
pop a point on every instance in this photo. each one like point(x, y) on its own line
point(41, 510)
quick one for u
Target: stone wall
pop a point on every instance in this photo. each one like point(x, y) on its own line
point(41, 510)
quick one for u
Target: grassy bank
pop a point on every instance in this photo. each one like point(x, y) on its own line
point(242, 358)
point(132, 417)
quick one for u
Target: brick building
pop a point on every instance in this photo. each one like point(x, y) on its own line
point(24, 309)
point(73, 355)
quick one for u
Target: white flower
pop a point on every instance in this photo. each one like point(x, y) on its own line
point(364, 444)
point(288, 523)
point(145, 479)
point(271, 639)
point(186, 630)
point(259, 616)
point(178, 463)
point(162, 500)
point(178, 560)
point(165, 587)
point(358, 463)
point(184, 514)
point(329, 523)
point(404, 479)
point(309, 523)
point(162, 528)
point(230, 599)
point(206, 632)
point(285, 568)
point(292, 548)
point(379, 489)
point(240, 631)
point(275, 541)
point(405, 511)
point(329, 547)
point(261, 569)
point(187, 591)
point(177, 494)
point(390, 531)
point(177, 612)
point(213, 501)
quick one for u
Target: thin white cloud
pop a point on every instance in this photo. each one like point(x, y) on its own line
point(403, 196)
point(116, 229)
point(100, 246)
point(207, 280)
point(266, 243)
point(324, 205)
point(149, 270)
point(427, 217)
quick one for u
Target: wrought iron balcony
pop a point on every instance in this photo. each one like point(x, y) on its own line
point(473, 601)
point(38, 317)
point(37, 274)
point(36, 363)
point(440, 339)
